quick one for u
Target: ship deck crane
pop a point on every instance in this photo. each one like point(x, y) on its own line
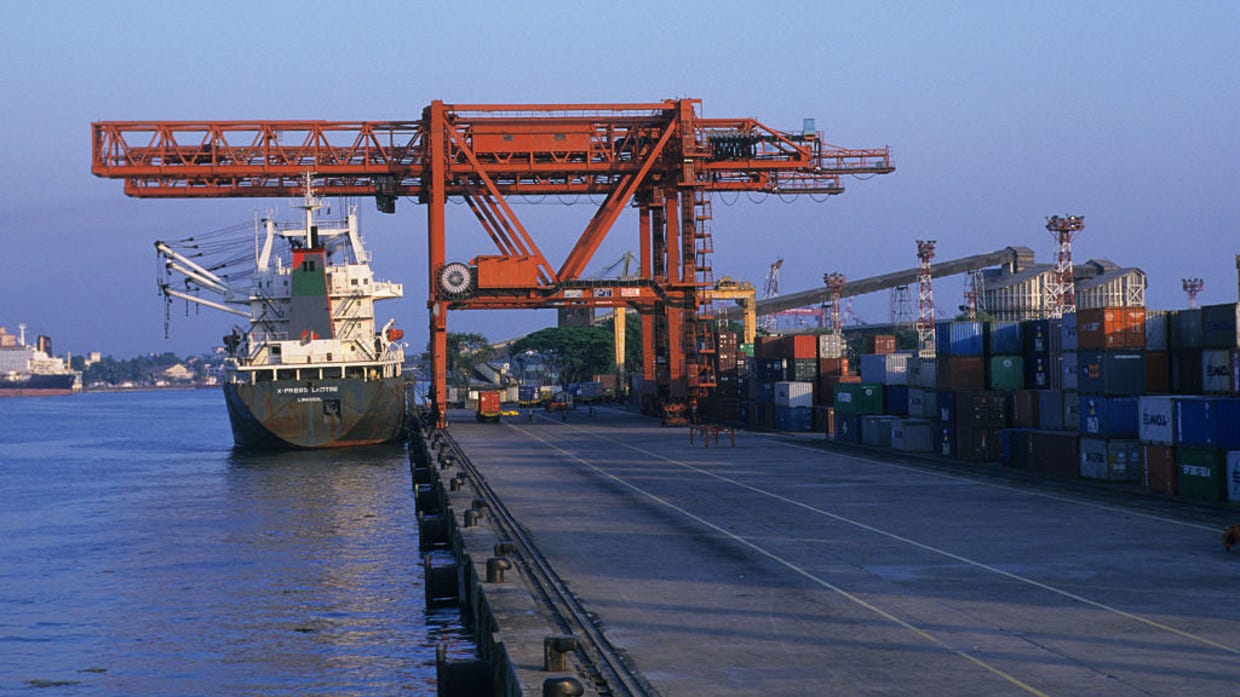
point(662, 157)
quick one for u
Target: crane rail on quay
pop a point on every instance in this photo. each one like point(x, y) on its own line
point(662, 157)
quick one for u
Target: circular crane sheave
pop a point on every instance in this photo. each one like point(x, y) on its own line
point(455, 279)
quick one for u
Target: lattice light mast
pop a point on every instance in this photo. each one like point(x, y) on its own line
point(1061, 291)
point(925, 300)
point(835, 312)
point(974, 295)
point(770, 289)
point(1192, 286)
point(901, 306)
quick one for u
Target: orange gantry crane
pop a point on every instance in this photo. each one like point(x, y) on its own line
point(662, 157)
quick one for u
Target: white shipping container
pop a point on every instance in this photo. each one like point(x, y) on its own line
point(885, 369)
point(922, 403)
point(794, 394)
point(1112, 460)
point(1154, 413)
point(831, 346)
point(913, 435)
point(1216, 371)
point(1232, 484)
point(921, 372)
point(876, 430)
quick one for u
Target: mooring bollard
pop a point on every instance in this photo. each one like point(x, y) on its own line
point(471, 518)
point(504, 547)
point(555, 648)
point(496, 567)
point(562, 687)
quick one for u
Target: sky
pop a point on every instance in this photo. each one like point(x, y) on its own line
point(998, 114)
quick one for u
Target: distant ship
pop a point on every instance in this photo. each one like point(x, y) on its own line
point(311, 371)
point(32, 371)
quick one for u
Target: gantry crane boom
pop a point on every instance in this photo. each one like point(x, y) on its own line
point(660, 156)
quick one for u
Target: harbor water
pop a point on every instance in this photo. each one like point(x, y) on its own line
point(142, 555)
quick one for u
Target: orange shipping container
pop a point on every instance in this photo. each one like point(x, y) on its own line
point(1109, 328)
point(832, 366)
point(800, 346)
point(880, 344)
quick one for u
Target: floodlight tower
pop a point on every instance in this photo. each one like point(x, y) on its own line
point(835, 286)
point(1061, 291)
point(901, 306)
point(1192, 286)
point(770, 289)
point(925, 300)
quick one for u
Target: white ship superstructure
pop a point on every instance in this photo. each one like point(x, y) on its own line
point(312, 338)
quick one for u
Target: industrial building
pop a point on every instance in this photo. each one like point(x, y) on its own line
point(1020, 289)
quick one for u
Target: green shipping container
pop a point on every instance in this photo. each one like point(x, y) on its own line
point(1200, 473)
point(1005, 373)
point(858, 398)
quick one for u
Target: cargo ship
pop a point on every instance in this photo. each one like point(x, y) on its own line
point(32, 371)
point(310, 370)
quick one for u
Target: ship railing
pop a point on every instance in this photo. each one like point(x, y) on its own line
point(367, 371)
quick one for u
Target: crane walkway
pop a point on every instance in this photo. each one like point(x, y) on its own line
point(782, 566)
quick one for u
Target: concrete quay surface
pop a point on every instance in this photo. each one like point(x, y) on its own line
point(785, 567)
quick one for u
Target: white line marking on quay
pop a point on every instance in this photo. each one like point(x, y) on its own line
point(791, 566)
point(920, 545)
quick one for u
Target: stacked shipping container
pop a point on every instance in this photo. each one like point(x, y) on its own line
point(1114, 394)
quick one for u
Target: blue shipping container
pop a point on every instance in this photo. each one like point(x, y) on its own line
point(1042, 336)
point(847, 427)
point(1042, 371)
point(1003, 338)
point(1209, 423)
point(1109, 417)
point(958, 338)
point(1111, 372)
point(1050, 410)
point(794, 418)
point(1067, 332)
point(945, 444)
point(895, 398)
point(946, 406)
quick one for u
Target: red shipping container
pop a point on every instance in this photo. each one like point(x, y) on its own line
point(979, 444)
point(1109, 328)
point(1157, 372)
point(1158, 472)
point(832, 366)
point(1024, 409)
point(965, 373)
point(800, 346)
point(880, 344)
point(825, 393)
point(1056, 453)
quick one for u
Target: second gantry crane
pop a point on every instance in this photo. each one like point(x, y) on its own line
point(661, 157)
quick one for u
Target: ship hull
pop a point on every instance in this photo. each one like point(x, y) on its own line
point(316, 413)
point(37, 385)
